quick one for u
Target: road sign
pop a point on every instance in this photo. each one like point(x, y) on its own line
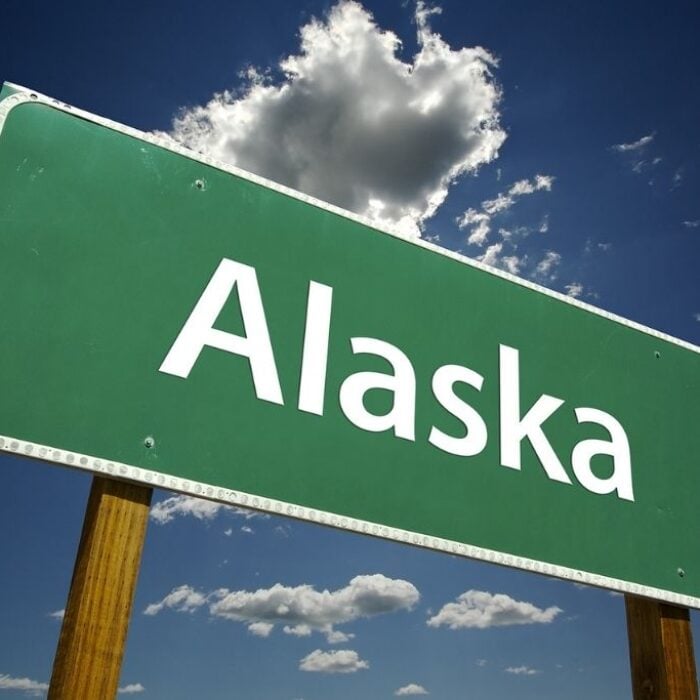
point(178, 322)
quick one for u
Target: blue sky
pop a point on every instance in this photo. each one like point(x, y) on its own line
point(584, 178)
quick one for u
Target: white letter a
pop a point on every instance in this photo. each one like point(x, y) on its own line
point(199, 330)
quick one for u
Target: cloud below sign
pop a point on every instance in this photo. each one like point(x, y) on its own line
point(480, 610)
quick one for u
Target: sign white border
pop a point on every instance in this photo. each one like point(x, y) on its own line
point(148, 477)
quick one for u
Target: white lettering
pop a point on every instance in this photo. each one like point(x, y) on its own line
point(199, 330)
point(514, 428)
point(618, 448)
point(402, 383)
point(474, 441)
point(314, 360)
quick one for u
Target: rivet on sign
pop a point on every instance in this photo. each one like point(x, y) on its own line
point(199, 184)
point(149, 442)
point(681, 572)
point(657, 354)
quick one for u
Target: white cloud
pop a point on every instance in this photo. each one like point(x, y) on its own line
point(340, 661)
point(546, 269)
point(27, 685)
point(522, 670)
point(260, 629)
point(338, 637)
point(480, 221)
point(574, 289)
point(634, 145)
point(57, 614)
point(131, 689)
point(411, 689)
point(353, 124)
point(248, 530)
point(180, 599)
point(302, 609)
point(692, 224)
point(510, 263)
point(677, 178)
point(178, 506)
point(637, 157)
point(481, 662)
point(480, 610)
point(696, 316)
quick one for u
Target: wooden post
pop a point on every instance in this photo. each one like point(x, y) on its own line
point(661, 651)
point(93, 635)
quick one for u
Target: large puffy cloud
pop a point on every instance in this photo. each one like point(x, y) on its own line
point(301, 610)
point(355, 125)
point(341, 661)
point(480, 610)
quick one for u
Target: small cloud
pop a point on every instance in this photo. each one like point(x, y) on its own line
point(338, 637)
point(341, 661)
point(522, 670)
point(27, 685)
point(634, 145)
point(131, 689)
point(281, 531)
point(181, 599)
point(481, 662)
point(481, 610)
point(57, 614)
point(574, 289)
point(228, 532)
point(180, 506)
point(492, 256)
point(248, 530)
point(411, 689)
point(480, 220)
point(260, 629)
point(677, 179)
point(546, 269)
point(695, 223)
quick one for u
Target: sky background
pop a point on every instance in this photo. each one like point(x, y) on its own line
point(565, 150)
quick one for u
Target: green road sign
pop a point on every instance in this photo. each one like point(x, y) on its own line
point(171, 320)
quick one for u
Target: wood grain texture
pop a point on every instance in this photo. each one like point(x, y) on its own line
point(661, 651)
point(93, 636)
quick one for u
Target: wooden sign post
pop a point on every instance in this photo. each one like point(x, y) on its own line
point(661, 651)
point(93, 635)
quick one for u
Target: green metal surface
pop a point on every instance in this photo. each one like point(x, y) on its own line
point(106, 244)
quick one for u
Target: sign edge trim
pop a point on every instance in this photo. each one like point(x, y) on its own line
point(197, 489)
